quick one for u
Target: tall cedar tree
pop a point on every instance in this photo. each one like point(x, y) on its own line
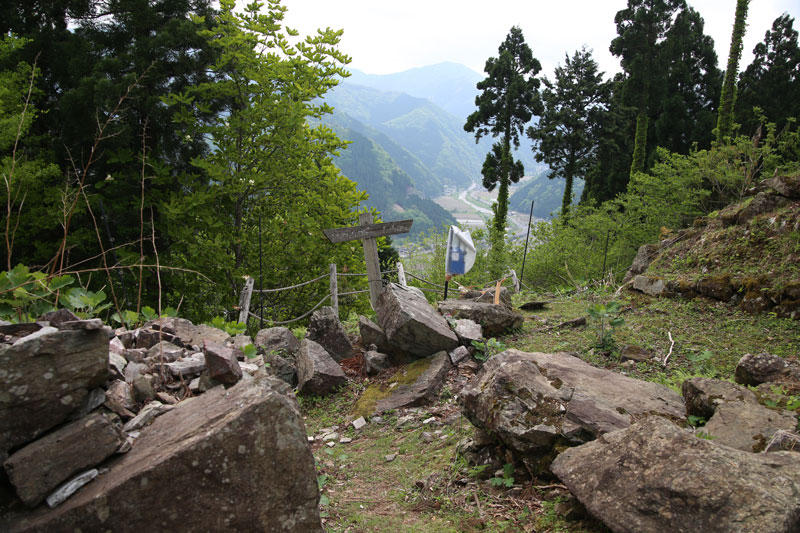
point(686, 112)
point(772, 81)
point(508, 101)
point(566, 135)
point(727, 99)
point(641, 29)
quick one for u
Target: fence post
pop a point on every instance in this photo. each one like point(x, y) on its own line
point(515, 280)
point(244, 299)
point(334, 290)
point(401, 274)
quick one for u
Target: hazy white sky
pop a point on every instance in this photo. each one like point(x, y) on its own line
point(390, 36)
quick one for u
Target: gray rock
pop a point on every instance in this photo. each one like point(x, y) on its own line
point(371, 333)
point(58, 317)
point(42, 332)
point(41, 466)
point(494, 319)
point(468, 331)
point(375, 361)
point(117, 363)
point(746, 426)
point(187, 333)
point(148, 413)
point(45, 379)
point(459, 354)
point(120, 393)
point(246, 440)
point(71, 487)
point(325, 329)
point(143, 390)
point(93, 400)
point(761, 368)
point(317, 372)
point(703, 395)
point(359, 423)
point(763, 202)
point(134, 370)
point(240, 341)
point(648, 285)
point(135, 355)
point(788, 186)
point(188, 366)
point(147, 338)
point(424, 390)
point(278, 339)
point(411, 325)
point(655, 477)
point(165, 351)
point(282, 367)
point(635, 353)
point(222, 363)
point(644, 256)
point(533, 402)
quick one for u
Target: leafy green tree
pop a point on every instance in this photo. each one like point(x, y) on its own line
point(566, 134)
point(772, 81)
point(508, 101)
point(268, 166)
point(686, 110)
point(641, 29)
point(728, 96)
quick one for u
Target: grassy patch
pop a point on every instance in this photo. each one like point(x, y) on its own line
point(405, 375)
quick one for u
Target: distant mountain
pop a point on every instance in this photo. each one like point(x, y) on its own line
point(450, 86)
point(546, 193)
point(433, 136)
point(371, 160)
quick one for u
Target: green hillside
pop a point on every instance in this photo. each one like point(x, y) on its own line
point(547, 194)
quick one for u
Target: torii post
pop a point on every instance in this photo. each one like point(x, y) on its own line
point(368, 233)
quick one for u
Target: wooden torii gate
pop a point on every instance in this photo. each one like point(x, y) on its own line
point(368, 233)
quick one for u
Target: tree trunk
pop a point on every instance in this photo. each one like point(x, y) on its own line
point(640, 141)
point(728, 96)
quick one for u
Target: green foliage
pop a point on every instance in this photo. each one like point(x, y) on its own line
point(566, 134)
point(696, 421)
point(486, 349)
point(508, 101)
point(232, 328)
point(83, 302)
point(728, 96)
point(608, 320)
point(700, 361)
point(26, 295)
point(250, 351)
point(508, 477)
point(131, 319)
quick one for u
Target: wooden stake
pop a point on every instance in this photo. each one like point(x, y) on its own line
point(244, 299)
point(334, 290)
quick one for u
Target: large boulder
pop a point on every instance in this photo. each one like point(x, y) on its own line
point(703, 395)
point(317, 372)
point(534, 402)
point(655, 477)
point(46, 376)
point(44, 464)
point(648, 285)
point(325, 329)
point(785, 185)
point(189, 334)
point(757, 369)
point(279, 340)
point(494, 319)
point(411, 325)
point(644, 256)
point(424, 389)
point(371, 333)
point(747, 426)
point(241, 453)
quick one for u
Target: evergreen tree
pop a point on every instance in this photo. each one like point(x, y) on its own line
point(508, 101)
point(686, 111)
point(772, 81)
point(728, 96)
point(566, 135)
point(641, 29)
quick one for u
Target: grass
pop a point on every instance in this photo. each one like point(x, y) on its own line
point(428, 487)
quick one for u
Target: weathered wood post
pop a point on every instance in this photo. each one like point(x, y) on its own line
point(401, 274)
point(244, 299)
point(515, 280)
point(334, 290)
point(368, 232)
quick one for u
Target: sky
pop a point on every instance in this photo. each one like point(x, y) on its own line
point(383, 37)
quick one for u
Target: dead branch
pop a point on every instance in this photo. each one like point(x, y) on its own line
point(672, 343)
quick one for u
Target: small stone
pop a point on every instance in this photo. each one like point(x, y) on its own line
point(390, 457)
point(70, 487)
point(427, 437)
point(330, 436)
point(133, 370)
point(429, 420)
point(330, 444)
point(359, 423)
point(117, 363)
point(459, 354)
point(403, 420)
point(143, 390)
point(345, 440)
point(167, 398)
point(222, 363)
point(376, 419)
point(148, 413)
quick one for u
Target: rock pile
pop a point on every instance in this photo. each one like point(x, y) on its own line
point(119, 412)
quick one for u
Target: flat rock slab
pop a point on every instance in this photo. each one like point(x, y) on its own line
point(532, 402)
point(44, 379)
point(371, 333)
point(648, 285)
point(494, 319)
point(317, 372)
point(656, 477)
point(411, 325)
point(188, 333)
point(278, 339)
point(468, 331)
point(43, 465)
point(325, 329)
point(424, 390)
point(241, 453)
point(703, 395)
point(747, 426)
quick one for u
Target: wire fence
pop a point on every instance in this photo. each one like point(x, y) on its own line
point(334, 294)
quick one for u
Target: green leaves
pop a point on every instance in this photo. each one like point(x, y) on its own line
point(25, 295)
